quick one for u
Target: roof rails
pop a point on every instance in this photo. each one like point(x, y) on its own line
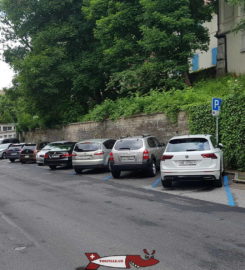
point(127, 136)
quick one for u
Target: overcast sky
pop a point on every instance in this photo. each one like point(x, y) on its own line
point(6, 75)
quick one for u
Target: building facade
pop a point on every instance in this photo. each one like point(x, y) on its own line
point(231, 44)
point(201, 59)
point(7, 131)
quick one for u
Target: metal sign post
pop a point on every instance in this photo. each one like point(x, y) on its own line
point(216, 105)
point(217, 130)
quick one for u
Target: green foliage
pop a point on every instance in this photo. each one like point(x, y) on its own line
point(232, 128)
point(72, 54)
point(168, 102)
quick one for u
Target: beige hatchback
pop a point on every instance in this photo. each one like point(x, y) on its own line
point(91, 154)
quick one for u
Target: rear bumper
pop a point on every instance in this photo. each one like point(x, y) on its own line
point(29, 159)
point(190, 175)
point(94, 166)
point(13, 157)
point(88, 163)
point(131, 167)
point(57, 162)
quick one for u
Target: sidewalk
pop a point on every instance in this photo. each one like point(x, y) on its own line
point(239, 177)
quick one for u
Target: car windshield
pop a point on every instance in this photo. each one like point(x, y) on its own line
point(129, 144)
point(15, 147)
point(87, 147)
point(188, 144)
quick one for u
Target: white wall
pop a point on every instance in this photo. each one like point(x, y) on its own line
point(205, 58)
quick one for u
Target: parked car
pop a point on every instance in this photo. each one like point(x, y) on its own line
point(40, 155)
point(9, 140)
point(91, 154)
point(136, 153)
point(192, 157)
point(3, 150)
point(60, 154)
point(13, 152)
point(29, 152)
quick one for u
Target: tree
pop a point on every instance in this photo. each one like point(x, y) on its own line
point(53, 40)
point(151, 41)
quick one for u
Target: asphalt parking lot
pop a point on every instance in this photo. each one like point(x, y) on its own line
point(49, 219)
point(230, 194)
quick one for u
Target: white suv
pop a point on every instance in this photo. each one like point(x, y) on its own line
point(192, 157)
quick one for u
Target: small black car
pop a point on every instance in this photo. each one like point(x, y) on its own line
point(59, 155)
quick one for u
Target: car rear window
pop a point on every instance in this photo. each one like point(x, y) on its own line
point(131, 144)
point(188, 144)
point(13, 147)
point(4, 146)
point(30, 146)
point(87, 147)
point(60, 147)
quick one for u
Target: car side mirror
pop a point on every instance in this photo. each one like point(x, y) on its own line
point(220, 145)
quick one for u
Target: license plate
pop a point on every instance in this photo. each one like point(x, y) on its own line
point(128, 158)
point(13, 154)
point(55, 156)
point(187, 163)
point(85, 157)
point(27, 156)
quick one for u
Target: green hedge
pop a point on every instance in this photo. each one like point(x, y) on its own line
point(231, 128)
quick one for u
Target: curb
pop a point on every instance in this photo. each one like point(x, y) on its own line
point(236, 177)
point(237, 180)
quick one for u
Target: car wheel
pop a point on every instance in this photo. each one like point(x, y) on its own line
point(22, 162)
point(115, 173)
point(52, 167)
point(153, 168)
point(78, 171)
point(218, 182)
point(39, 164)
point(12, 160)
point(167, 183)
point(4, 156)
point(109, 166)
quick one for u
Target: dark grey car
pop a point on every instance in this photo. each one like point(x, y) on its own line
point(136, 153)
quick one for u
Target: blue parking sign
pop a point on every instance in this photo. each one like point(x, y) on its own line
point(216, 104)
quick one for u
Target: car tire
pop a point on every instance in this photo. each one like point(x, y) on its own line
point(4, 156)
point(153, 169)
point(167, 183)
point(218, 183)
point(78, 171)
point(115, 173)
point(109, 166)
point(22, 162)
point(12, 160)
point(52, 167)
point(39, 164)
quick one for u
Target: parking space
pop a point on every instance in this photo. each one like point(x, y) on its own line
point(231, 194)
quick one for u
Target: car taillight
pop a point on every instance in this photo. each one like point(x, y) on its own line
point(99, 154)
point(66, 155)
point(146, 155)
point(46, 156)
point(209, 155)
point(164, 157)
point(111, 158)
